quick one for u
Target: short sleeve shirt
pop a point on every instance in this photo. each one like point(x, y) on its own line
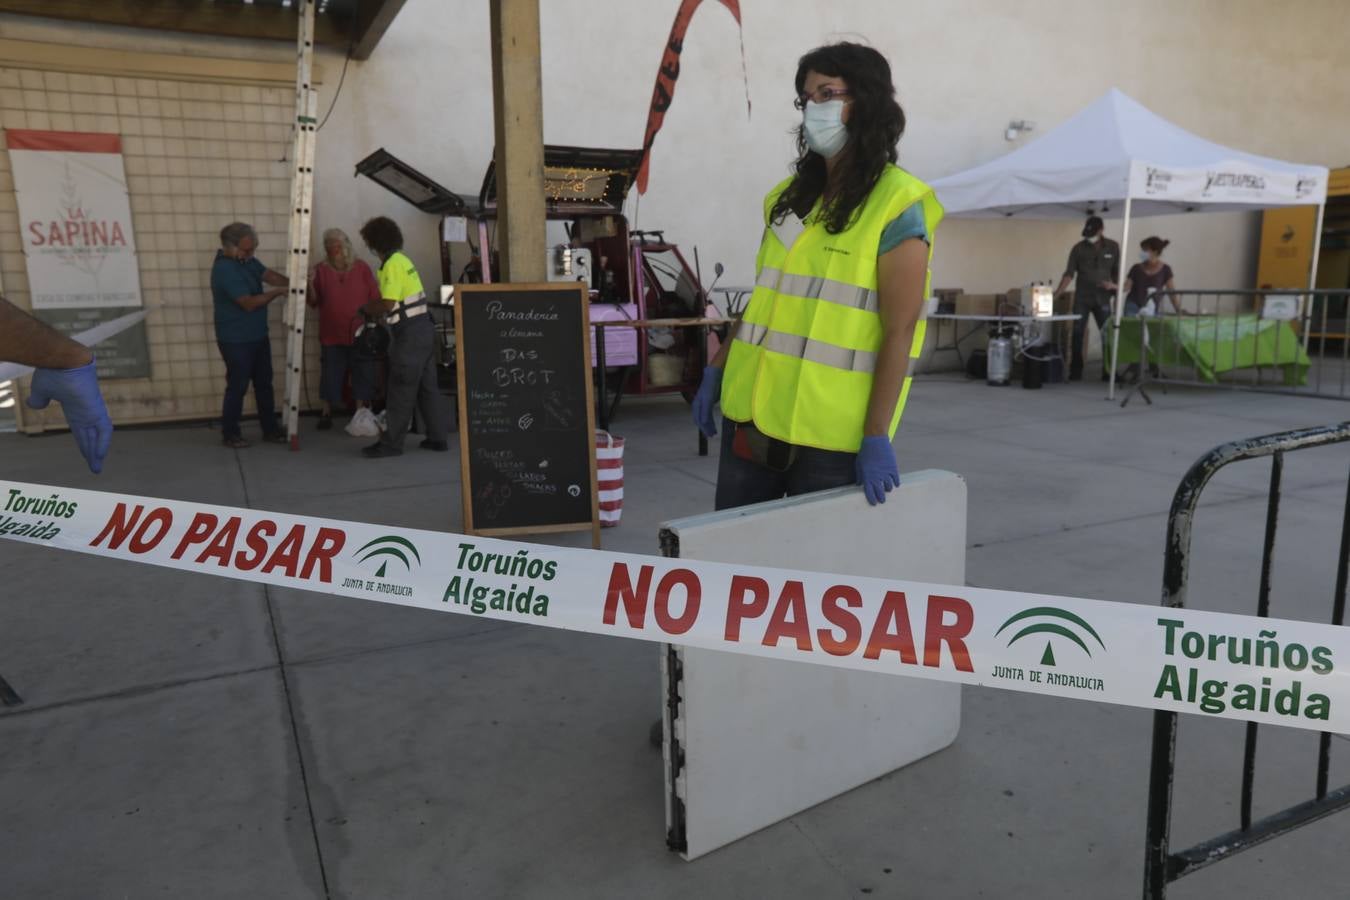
point(1091, 263)
point(399, 281)
point(909, 224)
point(340, 297)
point(1142, 283)
point(232, 280)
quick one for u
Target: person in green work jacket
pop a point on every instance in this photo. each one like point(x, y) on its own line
point(814, 377)
point(412, 351)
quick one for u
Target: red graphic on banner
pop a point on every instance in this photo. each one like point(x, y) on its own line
point(664, 92)
point(64, 141)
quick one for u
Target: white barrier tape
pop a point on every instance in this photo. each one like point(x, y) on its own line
point(1239, 667)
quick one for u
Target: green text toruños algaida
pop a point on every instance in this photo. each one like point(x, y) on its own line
point(1297, 699)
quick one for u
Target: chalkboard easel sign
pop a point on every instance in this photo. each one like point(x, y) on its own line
point(526, 415)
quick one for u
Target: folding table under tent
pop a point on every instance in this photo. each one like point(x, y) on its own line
point(1115, 158)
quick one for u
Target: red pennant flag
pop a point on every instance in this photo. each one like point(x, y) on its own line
point(666, 76)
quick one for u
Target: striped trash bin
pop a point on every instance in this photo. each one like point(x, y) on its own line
point(609, 472)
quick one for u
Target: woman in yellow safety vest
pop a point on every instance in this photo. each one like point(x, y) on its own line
point(814, 376)
point(402, 305)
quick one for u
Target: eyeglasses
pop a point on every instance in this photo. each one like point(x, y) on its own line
point(822, 95)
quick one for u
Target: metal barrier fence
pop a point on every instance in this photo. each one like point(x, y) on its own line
point(1161, 865)
point(1283, 341)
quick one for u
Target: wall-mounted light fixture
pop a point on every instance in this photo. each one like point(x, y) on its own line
point(1018, 127)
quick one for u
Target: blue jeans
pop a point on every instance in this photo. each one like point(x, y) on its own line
point(741, 482)
point(334, 361)
point(244, 362)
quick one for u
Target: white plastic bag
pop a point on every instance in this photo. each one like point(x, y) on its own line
point(363, 424)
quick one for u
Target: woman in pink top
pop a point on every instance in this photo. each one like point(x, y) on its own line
point(341, 285)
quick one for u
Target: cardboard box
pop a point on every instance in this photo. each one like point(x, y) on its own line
point(946, 299)
point(977, 304)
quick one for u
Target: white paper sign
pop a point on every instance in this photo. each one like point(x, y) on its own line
point(1283, 307)
point(75, 219)
point(454, 228)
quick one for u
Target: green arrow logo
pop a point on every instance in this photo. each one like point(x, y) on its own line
point(1052, 620)
point(386, 548)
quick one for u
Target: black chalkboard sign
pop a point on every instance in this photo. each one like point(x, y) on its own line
point(526, 417)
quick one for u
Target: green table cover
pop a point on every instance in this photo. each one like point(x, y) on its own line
point(1214, 345)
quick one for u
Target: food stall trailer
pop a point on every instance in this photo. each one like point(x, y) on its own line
point(634, 277)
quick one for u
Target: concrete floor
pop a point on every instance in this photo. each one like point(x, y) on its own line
point(193, 737)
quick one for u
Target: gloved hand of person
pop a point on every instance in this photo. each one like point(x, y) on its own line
point(709, 393)
point(878, 472)
point(77, 392)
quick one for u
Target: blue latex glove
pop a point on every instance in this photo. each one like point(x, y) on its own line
point(877, 470)
point(77, 392)
point(709, 393)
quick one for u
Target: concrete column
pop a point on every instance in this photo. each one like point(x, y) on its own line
point(518, 116)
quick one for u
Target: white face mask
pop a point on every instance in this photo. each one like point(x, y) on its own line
point(1144, 257)
point(823, 127)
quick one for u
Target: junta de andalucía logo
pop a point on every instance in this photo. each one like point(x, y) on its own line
point(388, 549)
point(1055, 622)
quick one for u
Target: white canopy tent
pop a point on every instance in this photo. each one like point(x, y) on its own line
point(1116, 158)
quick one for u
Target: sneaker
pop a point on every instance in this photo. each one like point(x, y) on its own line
point(379, 450)
point(276, 437)
point(325, 422)
point(236, 443)
point(438, 446)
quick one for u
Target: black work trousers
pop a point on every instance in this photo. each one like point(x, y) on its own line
point(1099, 310)
point(412, 383)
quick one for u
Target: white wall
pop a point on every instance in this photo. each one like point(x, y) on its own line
point(1244, 72)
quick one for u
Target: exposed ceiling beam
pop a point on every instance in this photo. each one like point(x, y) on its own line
point(190, 16)
point(372, 20)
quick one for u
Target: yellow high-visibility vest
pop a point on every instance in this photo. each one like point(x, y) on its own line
point(800, 367)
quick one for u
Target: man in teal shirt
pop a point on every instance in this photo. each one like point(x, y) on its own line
point(240, 298)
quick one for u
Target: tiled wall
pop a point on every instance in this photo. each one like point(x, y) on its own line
point(198, 155)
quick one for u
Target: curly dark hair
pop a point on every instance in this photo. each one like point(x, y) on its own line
point(1154, 244)
point(874, 128)
point(382, 235)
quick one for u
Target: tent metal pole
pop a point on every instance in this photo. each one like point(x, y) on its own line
point(1312, 273)
point(1120, 300)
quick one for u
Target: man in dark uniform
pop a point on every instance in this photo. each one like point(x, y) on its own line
point(1094, 263)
